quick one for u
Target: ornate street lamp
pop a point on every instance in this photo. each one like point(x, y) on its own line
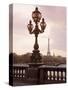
point(36, 15)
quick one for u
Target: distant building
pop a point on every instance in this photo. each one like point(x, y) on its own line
point(53, 54)
point(48, 51)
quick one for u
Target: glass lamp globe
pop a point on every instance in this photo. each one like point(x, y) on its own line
point(43, 24)
point(30, 26)
point(36, 15)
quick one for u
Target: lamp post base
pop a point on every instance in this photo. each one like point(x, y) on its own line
point(36, 56)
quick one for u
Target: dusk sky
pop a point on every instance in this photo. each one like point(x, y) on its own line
point(55, 18)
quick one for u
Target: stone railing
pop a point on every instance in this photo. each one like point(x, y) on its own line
point(52, 74)
point(38, 75)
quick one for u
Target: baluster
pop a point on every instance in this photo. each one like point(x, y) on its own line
point(59, 75)
point(16, 72)
point(55, 75)
point(63, 76)
point(19, 72)
point(22, 72)
point(50, 75)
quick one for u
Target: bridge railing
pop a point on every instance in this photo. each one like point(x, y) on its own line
point(39, 75)
point(52, 74)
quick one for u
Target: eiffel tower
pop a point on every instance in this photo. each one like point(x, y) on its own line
point(48, 52)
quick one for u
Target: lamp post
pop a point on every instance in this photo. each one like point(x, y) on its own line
point(36, 16)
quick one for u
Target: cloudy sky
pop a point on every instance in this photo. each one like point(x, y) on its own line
point(55, 18)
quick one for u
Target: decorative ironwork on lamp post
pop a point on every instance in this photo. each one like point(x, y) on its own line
point(36, 16)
